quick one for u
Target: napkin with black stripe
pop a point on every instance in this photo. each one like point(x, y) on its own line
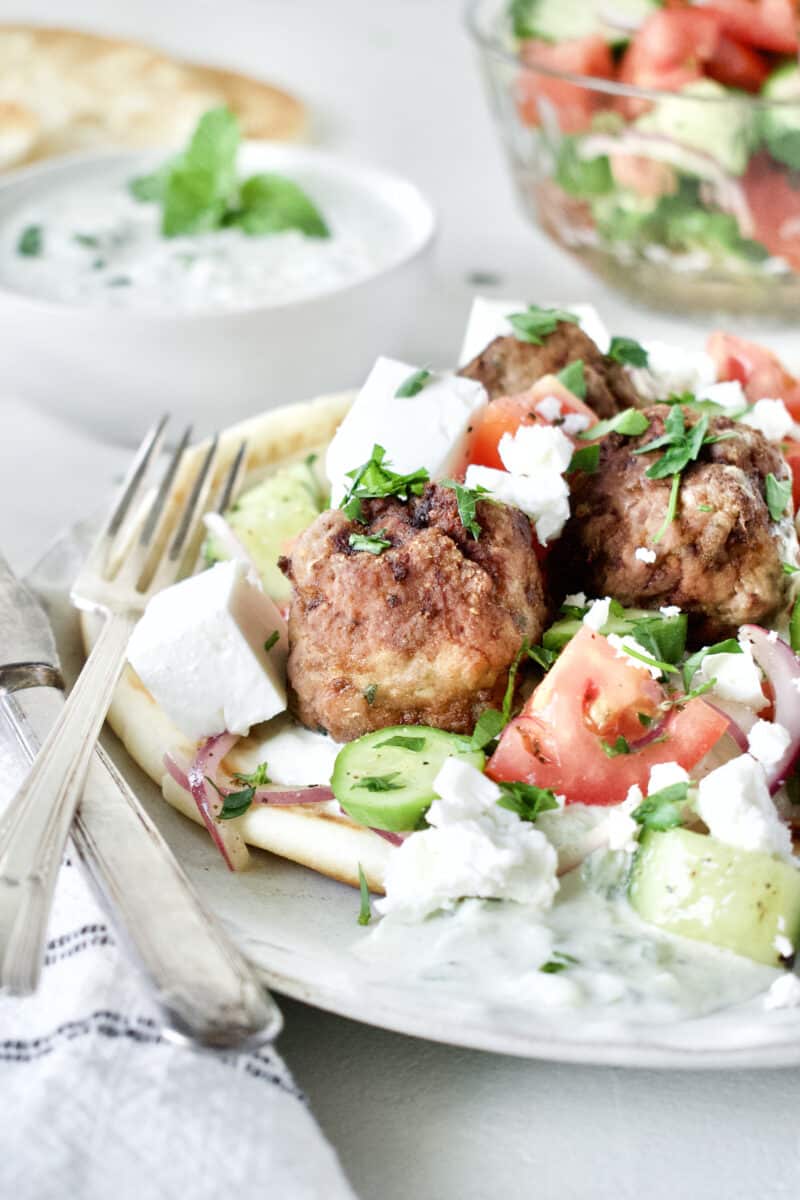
point(98, 1103)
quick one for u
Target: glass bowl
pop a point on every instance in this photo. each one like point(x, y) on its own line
point(673, 198)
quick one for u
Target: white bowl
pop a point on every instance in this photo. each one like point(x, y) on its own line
point(116, 369)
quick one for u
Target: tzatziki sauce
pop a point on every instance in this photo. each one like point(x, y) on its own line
point(90, 243)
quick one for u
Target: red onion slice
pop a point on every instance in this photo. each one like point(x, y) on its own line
point(781, 666)
point(228, 840)
point(177, 772)
point(734, 730)
point(396, 839)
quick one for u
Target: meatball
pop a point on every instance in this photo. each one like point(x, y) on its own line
point(508, 366)
point(719, 560)
point(422, 633)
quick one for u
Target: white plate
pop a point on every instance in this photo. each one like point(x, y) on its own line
point(300, 930)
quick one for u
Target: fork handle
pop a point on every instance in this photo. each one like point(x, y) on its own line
point(203, 983)
point(34, 827)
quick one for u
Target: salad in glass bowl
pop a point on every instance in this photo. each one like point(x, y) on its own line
point(660, 143)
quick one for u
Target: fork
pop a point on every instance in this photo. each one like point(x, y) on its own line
point(117, 586)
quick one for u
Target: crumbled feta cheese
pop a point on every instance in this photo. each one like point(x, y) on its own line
point(473, 848)
point(488, 319)
point(621, 649)
point(671, 370)
point(643, 554)
point(549, 409)
point(533, 449)
point(623, 832)
point(669, 610)
point(737, 677)
point(429, 430)
point(664, 775)
point(598, 614)
point(768, 742)
point(728, 394)
point(784, 992)
point(574, 423)
point(199, 649)
point(576, 600)
point(783, 945)
point(535, 457)
point(735, 803)
point(772, 418)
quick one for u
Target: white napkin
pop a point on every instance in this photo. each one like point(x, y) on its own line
point(97, 1104)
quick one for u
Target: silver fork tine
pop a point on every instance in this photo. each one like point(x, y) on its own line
point(169, 568)
point(130, 490)
point(232, 480)
point(136, 561)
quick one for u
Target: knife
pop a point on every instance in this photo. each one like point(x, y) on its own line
point(204, 985)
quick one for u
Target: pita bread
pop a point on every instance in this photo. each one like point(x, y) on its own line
point(330, 844)
point(62, 90)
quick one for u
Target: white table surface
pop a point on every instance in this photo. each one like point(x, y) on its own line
point(396, 82)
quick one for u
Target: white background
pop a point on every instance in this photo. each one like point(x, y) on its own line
point(396, 82)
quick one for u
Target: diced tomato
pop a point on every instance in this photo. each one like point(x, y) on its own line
point(737, 65)
point(668, 52)
point(574, 105)
point(791, 452)
point(593, 695)
point(773, 198)
point(768, 24)
point(760, 372)
point(507, 413)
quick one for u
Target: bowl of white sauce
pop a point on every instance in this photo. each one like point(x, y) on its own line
point(109, 322)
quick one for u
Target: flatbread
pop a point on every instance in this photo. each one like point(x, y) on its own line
point(332, 845)
point(62, 90)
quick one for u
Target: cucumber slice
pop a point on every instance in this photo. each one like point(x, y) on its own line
point(565, 20)
point(664, 637)
point(268, 516)
point(698, 887)
point(385, 779)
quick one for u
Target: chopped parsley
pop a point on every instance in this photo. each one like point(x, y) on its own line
point(626, 350)
point(585, 458)
point(467, 501)
point(631, 422)
point(543, 657)
point(257, 778)
point(573, 378)
point(365, 912)
point(794, 627)
point(490, 725)
point(90, 240)
point(665, 667)
point(536, 323)
point(664, 809)
point(31, 242)
point(404, 743)
point(508, 698)
point(380, 783)
point(370, 692)
point(790, 568)
point(778, 494)
point(371, 543)
point(375, 479)
point(236, 804)
point(526, 800)
point(681, 446)
point(271, 640)
point(414, 384)
point(612, 750)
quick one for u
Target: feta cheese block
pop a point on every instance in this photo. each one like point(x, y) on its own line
point(488, 319)
point(201, 651)
point(430, 429)
point(735, 803)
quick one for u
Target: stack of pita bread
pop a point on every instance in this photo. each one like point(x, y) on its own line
point(63, 91)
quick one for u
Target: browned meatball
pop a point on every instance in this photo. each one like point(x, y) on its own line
point(719, 560)
point(423, 633)
point(508, 366)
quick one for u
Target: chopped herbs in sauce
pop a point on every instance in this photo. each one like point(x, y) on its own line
point(31, 242)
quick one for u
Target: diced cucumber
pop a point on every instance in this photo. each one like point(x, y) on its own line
point(564, 20)
point(696, 886)
point(385, 779)
point(268, 516)
point(704, 115)
point(663, 636)
point(780, 123)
